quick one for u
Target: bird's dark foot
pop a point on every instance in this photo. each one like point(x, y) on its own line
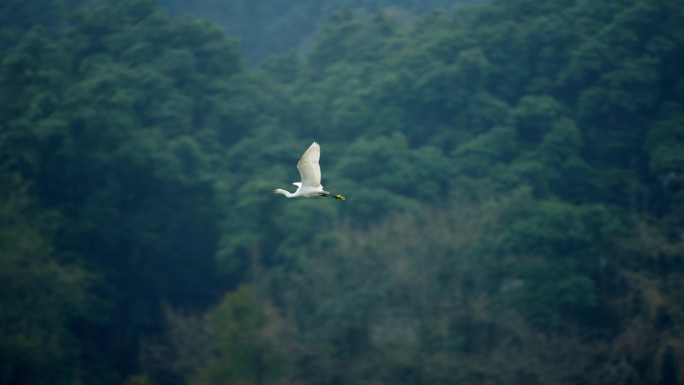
point(338, 196)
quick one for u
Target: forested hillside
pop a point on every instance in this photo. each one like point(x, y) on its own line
point(514, 175)
point(269, 27)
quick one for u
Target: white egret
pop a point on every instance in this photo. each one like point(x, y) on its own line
point(310, 172)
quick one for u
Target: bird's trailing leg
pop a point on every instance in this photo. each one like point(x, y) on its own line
point(338, 196)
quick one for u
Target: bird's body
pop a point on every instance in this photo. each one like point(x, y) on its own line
point(310, 172)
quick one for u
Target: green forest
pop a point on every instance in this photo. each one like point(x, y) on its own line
point(272, 27)
point(514, 175)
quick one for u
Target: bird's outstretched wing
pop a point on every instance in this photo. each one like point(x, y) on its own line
point(308, 167)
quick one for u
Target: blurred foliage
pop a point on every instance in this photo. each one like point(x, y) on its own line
point(275, 27)
point(513, 172)
point(40, 297)
point(246, 351)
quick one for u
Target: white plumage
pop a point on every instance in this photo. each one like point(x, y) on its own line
point(310, 173)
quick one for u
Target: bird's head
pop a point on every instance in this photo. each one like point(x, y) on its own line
point(281, 191)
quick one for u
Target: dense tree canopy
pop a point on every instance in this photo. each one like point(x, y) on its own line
point(273, 27)
point(514, 174)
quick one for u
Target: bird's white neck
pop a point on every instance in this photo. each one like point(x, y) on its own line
point(284, 192)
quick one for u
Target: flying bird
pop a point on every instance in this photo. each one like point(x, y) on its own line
point(310, 172)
